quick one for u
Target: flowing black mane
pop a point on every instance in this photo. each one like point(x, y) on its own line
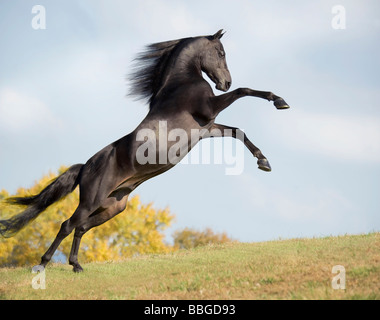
point(149, 68)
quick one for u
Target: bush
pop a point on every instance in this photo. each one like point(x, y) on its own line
point(190, 238)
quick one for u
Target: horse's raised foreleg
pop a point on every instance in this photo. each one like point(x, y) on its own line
point(97, 218)
point(219, 103)
point(219, 130)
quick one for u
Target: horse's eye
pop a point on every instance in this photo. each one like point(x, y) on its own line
point(222, 54)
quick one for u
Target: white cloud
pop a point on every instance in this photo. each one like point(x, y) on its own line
point(20, 112)
point(346, 138)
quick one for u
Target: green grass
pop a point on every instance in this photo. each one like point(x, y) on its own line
point(284, 269)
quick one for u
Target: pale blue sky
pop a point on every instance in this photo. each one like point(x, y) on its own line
point(63, 98)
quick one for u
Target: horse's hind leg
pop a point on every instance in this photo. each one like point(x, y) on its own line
point(66, 228)
point(79, 217)
point(99, 176)
point(99, 217)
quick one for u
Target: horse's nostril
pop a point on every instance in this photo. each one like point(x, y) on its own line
point(228, 84)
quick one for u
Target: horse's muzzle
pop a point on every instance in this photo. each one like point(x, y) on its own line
point(223, 86)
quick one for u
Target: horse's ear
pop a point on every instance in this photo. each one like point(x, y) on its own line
point(219, 34)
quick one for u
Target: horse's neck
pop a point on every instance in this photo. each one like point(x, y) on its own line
point(186, 65)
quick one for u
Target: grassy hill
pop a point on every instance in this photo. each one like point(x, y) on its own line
point(283, 269)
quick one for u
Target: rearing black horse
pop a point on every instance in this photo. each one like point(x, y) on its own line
point(169, 75)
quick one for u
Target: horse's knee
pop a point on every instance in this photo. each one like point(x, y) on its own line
point(80, 231)
point(66, 228)
point(121, 205)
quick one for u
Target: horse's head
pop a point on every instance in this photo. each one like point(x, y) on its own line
point(213, 62)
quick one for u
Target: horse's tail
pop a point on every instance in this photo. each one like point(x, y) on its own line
point(56, 190)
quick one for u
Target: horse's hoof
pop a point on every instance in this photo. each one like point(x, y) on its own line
point(38, 268)
point(77, 268)
point(264, 165)
point(280, 104)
